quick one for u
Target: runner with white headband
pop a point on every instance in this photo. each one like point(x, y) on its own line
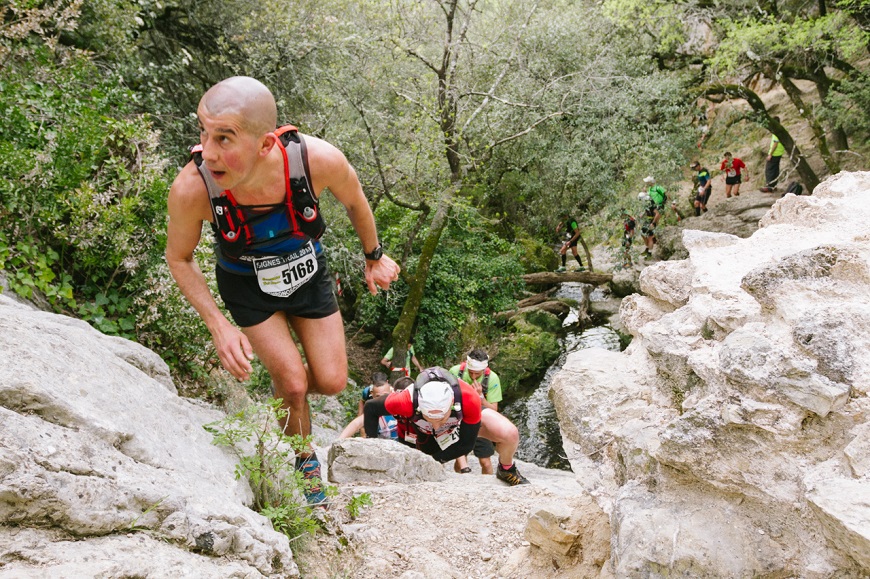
point(476, 372)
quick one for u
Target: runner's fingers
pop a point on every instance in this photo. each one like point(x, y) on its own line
point(236, 361)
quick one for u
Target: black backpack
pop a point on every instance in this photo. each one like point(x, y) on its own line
point(795, 187)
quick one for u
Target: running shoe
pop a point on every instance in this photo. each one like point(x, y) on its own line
point(511, 476)
point(310, 468)
point(561, 270)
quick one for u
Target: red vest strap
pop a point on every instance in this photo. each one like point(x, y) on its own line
point(285, 129)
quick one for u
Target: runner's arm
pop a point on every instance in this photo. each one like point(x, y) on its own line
point(465, 444)
point(351, 428)
point(372, 410)
point(186, 215)
point(484, 403)
point(417, 363)
point(330, 169)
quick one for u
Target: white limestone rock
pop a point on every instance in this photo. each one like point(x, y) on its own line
point(842, 504)
point(729, 439)
point(94, 441)
point(668, 281)
point(355, 460)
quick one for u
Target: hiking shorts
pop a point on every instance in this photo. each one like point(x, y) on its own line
point(735, 180)
point(483, 448)
point(249, 305)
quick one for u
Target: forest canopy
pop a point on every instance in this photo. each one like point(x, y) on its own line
point(473, 125)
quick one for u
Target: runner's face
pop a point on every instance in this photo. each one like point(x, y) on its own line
point(228, 151)
point(475, 374)
point(436, 422)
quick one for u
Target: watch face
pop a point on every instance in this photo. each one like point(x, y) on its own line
point(376, 253)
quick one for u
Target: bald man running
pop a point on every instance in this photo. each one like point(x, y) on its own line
point(272, 273)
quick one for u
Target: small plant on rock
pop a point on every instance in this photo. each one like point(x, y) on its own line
point(267, 459)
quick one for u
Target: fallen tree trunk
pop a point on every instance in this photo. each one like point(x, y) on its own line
point(537, 298)
point(555, 307)
point(549, 277)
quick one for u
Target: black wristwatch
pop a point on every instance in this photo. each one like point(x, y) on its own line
point(376, 254)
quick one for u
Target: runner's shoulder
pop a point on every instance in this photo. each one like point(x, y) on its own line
point(188, 192)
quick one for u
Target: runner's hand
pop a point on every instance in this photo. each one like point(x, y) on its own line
point(381, 273)
point(478, 386)
point(234, 351)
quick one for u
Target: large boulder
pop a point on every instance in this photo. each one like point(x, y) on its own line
point(106, 471)
point(730, 438)
point(364, 460)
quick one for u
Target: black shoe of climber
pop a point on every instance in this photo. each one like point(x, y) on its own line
point(511, 476)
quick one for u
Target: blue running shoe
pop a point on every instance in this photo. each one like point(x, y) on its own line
point(310, 468)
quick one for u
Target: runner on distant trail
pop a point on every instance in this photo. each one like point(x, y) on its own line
point(732, 167)
point(572, 230)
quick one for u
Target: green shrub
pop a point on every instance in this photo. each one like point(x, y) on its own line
point(473, 275)
point(529, 349)
point(82, 199)
point(267, 460)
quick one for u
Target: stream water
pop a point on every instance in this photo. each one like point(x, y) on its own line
point(533, 413)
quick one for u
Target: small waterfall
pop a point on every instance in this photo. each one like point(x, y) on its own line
point(534, 414)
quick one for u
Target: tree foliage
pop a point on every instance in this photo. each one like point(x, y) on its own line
point(472, 124)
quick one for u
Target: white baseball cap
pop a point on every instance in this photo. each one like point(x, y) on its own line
point(649, 179)
point(435, 399)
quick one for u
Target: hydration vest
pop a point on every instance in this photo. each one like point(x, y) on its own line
point(484, 383)
point(233, 224)
point(437, 374)
point(414, 429)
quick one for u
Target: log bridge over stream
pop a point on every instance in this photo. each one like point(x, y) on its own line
point(543, 301)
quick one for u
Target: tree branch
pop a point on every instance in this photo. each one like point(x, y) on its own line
point(507, 65)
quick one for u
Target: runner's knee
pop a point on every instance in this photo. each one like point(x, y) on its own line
point(329, 381)
point(291, 391)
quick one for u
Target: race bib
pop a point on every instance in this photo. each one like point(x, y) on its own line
point(280, 276)
point(447, 438)
point(731, 173)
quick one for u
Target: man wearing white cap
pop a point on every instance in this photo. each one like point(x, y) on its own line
point(476, 372)
point(442, 416)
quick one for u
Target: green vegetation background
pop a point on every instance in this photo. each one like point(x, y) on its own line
point(469, 151)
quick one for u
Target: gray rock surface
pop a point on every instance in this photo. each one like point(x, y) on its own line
point(465, 526)
point(366, 460)
point(730, 438)
point(106, 471)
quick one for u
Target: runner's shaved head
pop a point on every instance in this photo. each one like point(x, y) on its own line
point(246, 97)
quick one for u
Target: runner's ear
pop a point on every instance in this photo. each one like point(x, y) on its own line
point(266, 142)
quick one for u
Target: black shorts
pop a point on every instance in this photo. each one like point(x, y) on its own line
point(483, 448)
point(249, 305)
point(735, 180)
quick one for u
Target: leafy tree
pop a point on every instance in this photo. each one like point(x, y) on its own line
point(784, 41)
point(456, 95)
